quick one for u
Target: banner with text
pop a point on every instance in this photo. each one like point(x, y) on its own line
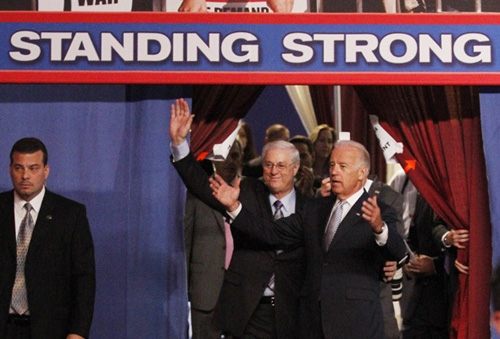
point(246, 48)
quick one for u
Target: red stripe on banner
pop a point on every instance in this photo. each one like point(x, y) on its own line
point(264, 78)
point(254, 18)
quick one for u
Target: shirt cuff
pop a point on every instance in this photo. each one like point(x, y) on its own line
point(235, 213)
point(181, 151)
point(381, 238)
point(444, 242)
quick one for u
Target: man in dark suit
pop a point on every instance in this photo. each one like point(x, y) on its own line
point(346, 237)
point(427, 313)
point(208, 243)
point(249, 305)
point(53, 296)
point(385, 194)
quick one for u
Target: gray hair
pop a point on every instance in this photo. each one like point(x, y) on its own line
point(282, 145)
point(365, 156)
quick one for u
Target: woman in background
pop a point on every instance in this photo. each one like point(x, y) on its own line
point(322, 137)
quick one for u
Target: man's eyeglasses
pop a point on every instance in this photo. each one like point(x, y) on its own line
point(280, 166)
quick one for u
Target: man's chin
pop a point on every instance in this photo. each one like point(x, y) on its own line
point(336, 192)
point(25, 194)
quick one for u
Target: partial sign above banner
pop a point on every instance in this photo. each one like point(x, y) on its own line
point(250, 48)
point(86, 5)
point(240, 6)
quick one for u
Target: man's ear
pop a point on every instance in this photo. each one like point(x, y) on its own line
point(362, 172)
point(47, 170)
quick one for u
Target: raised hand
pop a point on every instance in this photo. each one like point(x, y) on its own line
point(180, 121)
point(326, 187)
point(226, 194)
point(371, 213)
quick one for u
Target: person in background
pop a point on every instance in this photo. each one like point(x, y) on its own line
point(427, 313)
point(245, 137)
point(435, 246)
point(322, 137)
point(305, 180)
point(47, 280)
point(209, 246)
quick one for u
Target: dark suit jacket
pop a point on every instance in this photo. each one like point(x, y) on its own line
point(59, 271)
point(340, 296)
point(428, 304)
point(390, 197)
point(253, 262)
point(205, 253)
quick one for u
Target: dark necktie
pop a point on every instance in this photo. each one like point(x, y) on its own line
point(278, 213)
point(333, 225)
point(19, 293)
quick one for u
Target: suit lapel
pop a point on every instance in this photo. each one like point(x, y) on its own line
point(350, 219)
point(43, 223)
point(263, 201)
point(9, 225)
point(323, 217)
point(220, 220)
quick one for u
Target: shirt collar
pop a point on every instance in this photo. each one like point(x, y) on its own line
point(353, 198)
point(368, 184)
point(36, 202)
point(288, 201)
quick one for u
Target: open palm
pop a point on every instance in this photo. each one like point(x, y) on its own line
point(180, 121)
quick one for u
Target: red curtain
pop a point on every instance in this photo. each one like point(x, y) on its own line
point(355, 120)
point(217, 109)
point(322, 99)
point(439, 127)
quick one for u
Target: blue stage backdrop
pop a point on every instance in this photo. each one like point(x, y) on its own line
point(109, 149)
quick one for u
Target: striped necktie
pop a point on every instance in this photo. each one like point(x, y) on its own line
point(19, 293)
point(334, 223)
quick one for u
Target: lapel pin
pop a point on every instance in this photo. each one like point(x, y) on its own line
point(48, 217)
point(358, 214)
